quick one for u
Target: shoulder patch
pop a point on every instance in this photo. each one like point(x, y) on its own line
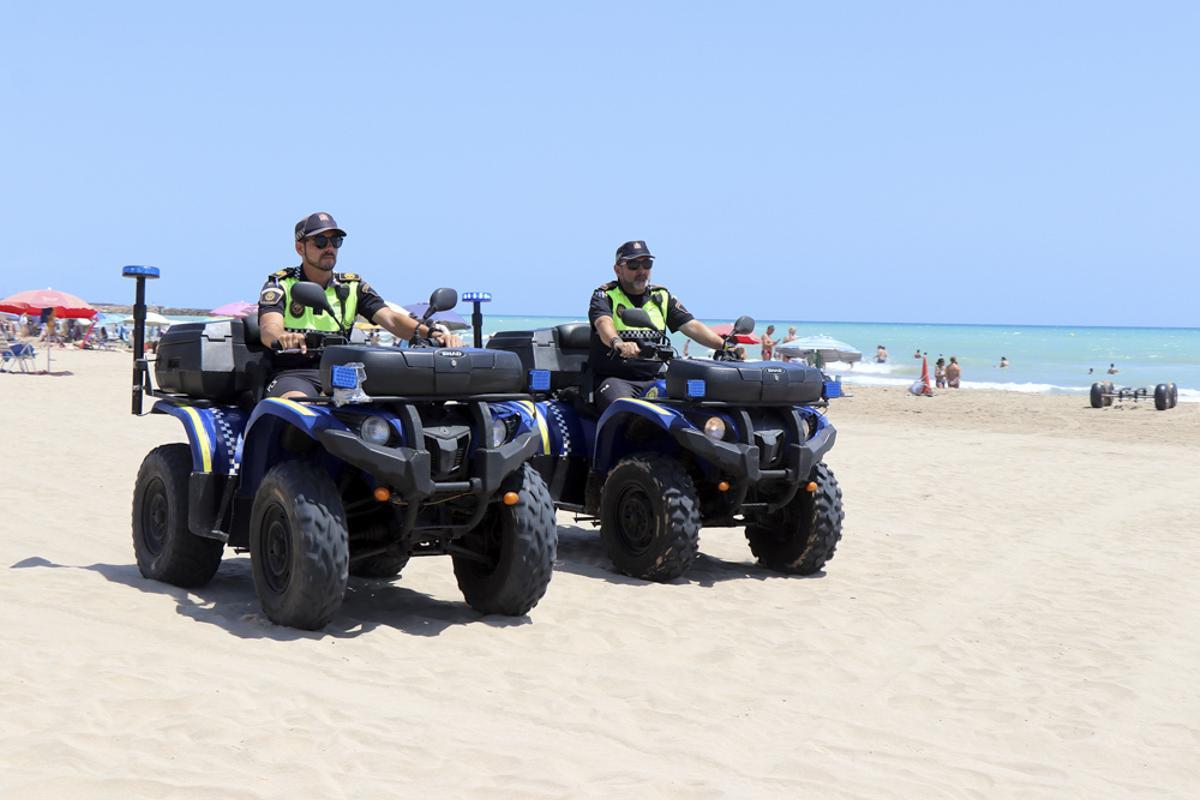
point(270, 296)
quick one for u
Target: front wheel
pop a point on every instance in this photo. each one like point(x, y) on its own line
point(801, 537)
point(511, 551)
point(650, 517)
point(166, 549)
point(299, 547)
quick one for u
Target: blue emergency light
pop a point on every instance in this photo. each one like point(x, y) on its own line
point(135, 271)
point(696, 388)
point(477, 297)
point(344, 377)
point(539, 380)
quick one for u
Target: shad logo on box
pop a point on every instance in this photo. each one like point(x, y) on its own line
point(451, 353)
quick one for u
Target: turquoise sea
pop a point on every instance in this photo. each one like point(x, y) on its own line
point(1052, 359)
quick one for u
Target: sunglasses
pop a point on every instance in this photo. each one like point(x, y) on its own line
point(639, 265)
point(323, 241)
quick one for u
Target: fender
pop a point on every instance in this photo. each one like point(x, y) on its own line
point(614, 419)
point(215, 434)
point(265, 423)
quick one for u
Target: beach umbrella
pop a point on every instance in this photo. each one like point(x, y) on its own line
point(725, 328)
point(448, 318)
point(34, 301)
point(153, 320)
point(238, 308)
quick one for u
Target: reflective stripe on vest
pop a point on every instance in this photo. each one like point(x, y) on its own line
point(308, 320)
point(656, 309)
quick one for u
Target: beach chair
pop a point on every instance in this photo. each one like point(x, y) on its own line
point(18, 356)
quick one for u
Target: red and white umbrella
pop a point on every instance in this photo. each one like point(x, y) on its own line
point(35, 301)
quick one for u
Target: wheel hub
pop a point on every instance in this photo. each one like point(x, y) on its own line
point(154, 517)
point(277, 550)
point(635, 520)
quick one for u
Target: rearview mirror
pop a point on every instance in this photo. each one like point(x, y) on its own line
point(309, 294)
point(442, 299)
point(744, 324)
point(635, 318)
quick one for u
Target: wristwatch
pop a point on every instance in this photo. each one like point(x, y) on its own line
point(613, 342)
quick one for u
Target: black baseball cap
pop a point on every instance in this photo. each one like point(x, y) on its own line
point(635, 249)
point(317, 222)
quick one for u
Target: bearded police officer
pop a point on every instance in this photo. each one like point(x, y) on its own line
point(614, 348)
point(285, 321)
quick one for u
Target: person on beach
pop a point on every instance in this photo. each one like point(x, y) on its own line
point(791, 337)
point(1112, 369)
point(881, 354)
point(939, 373)
point(917, 353)
point(1003, 362)
point(953, 373)
point(768, 344)
point(282, 321)
point(613, 358)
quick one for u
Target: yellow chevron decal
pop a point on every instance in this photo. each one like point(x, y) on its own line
point(201, 437)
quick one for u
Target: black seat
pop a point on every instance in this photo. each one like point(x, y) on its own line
point(573, 335)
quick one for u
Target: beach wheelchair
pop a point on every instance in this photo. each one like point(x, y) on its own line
point(410, 452)
point(714, 443)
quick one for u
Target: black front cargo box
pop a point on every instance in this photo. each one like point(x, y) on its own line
point(759, 383)
point(429, 372)
point(562, 350)
point(206, 360)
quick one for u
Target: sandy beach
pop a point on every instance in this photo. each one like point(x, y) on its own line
point(1013, 612)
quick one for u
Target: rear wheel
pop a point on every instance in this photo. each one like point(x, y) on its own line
point(1097, 396)
point(1162, 397)
point(512, 551)
point(166, 549)
point(1108, 389)
point(1173, 392)
point(802, 536)
point(650, 517)
point(299, 548)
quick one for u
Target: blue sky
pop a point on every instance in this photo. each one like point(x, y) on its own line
point(911, 162)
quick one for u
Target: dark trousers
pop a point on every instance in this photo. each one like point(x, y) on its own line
point(610, 389)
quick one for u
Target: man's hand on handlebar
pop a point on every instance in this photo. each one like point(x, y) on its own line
point(289, 340)
point(445, 338)
point(628, 349)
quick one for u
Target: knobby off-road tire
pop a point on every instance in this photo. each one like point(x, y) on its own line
point(801, 537)
point(521, 543)
point(166, 549)
point(650, 517)
point(299, 547)
point(1097, 396)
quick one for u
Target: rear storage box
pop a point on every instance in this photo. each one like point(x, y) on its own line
point(207, 361)
point(562, 350)
point(766, 383)
point(429, 372)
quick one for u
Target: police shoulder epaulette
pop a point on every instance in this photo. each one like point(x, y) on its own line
point(348, 276)
point(283, 273)
point(604, 287)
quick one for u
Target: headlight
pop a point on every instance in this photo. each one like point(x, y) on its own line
point(499, 433)
point(375, 430)
point(714, 428)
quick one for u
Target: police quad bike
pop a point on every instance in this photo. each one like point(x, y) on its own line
point(410, 452)
point(1103, 393)
point(716, 443)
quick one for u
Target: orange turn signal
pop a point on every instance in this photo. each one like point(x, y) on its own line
point(723, 486)
point(812, 487)
point(382, 494)
point(511, 498)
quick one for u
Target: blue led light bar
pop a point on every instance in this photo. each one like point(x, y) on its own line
point(345, 377)
point(135, 271)
point(477, 297)
point(539, 380)
point(696, 388)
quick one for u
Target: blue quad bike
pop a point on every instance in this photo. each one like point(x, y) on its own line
point(411, 452)
point(717, 442)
